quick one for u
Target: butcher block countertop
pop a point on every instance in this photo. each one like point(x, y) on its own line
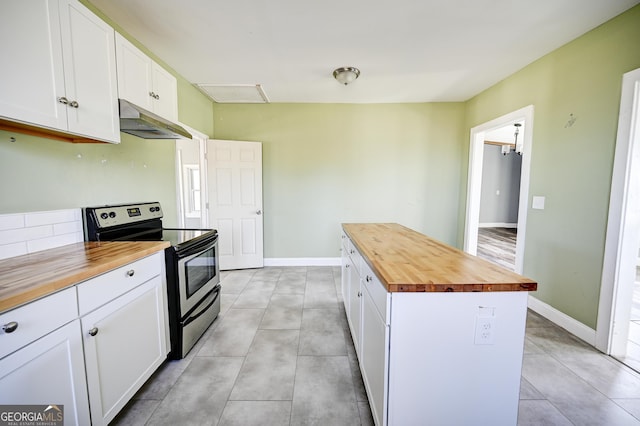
point(31, 276)
point(407, 261)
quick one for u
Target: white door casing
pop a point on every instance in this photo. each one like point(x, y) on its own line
point(234, 185)
point(623, 228)
point(475, 180)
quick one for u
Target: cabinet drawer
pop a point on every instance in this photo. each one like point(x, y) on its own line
point(37, 319)
point(106, 287)
point(376, 290)
point(346, 243)
point(356, 259)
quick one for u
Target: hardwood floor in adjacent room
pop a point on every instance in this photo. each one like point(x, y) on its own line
point(498, 245)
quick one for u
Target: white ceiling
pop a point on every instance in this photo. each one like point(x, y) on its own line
point(407, 50)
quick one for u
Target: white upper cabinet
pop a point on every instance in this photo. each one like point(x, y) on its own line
point(59, 68)
point(32, 77)
point(145, 83)
point(90, 73)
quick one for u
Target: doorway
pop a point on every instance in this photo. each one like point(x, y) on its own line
point(500, 195)
point(616, 329)
point(191, 181)
point(521, 147)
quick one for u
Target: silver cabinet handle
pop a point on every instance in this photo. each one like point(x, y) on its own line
point(352, 251)
point(368, 278)
point(258, 212)
point(93, 331)
point(10, 327)
point(74, 104)
point(153, 95)
point(347, 266)
point(63, 100)
point(157, 97)
point(130, 272)
point(359, 293)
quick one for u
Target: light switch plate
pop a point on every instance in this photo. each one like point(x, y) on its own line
point(538, 203)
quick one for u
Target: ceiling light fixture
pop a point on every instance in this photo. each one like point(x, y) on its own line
point(346, 75)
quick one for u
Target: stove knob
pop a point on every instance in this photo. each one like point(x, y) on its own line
point(104, 215)
point(152, 209)
point(112, 214)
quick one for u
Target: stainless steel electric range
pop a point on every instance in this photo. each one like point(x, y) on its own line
point(193, 273)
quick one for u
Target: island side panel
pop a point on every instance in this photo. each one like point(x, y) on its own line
point(437, 372)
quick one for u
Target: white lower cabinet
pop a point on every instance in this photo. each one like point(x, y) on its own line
point(89, 347)
point(48, 371)
point(374, 355)
point(124, 343)
point(354, 314)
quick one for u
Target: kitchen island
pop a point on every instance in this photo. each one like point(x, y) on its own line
point(439, 334)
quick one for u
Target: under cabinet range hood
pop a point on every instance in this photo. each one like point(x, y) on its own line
point(147, 125)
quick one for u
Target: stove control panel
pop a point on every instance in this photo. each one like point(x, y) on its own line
point(108, 216)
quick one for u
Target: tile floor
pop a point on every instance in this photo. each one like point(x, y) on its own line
point(281, 354)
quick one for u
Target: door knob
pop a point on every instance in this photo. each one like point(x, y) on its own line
point(258, 212)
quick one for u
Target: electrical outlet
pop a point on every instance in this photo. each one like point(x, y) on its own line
point(485, 329)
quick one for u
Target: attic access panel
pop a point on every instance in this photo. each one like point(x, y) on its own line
point(235, 93)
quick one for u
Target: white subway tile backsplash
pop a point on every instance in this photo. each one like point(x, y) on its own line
point(50, 217)
point(12, 250)
point(51, 242)
point(24, 233)
point(67, 228)
point(11, 221)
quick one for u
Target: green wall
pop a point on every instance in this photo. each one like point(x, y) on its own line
point(570, 166)
point(324, 164)
point(41, 174)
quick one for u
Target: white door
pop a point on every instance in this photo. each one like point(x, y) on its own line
point(234, 170)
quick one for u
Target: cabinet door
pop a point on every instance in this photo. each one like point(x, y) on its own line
point(32, 72)
point(355, 303)
point(347, 266)
point(134, 74)
point(90, 73)
point(49, 371)
point(374, 355)
point(124, 341)
point(165, 88)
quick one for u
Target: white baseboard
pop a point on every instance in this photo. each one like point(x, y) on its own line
point(303, 261)
point(573, 326)
point(497, 225)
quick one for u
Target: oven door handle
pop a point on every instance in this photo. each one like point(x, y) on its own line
point(196, 249)
point(190, 319)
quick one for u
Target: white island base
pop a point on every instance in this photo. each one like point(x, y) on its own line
point(439, 334)
point(455, 358)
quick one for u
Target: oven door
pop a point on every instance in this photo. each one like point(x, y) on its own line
point(198, 273)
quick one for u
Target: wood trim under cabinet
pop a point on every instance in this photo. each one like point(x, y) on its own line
point(41, 132)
